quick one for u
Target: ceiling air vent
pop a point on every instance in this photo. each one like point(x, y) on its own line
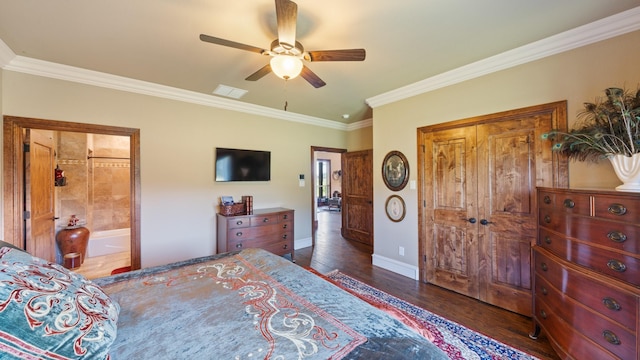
point(228, 91)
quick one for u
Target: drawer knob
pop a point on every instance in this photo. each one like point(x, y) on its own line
point(611, 337)
point(239, 222)
point(547, 239)
point(284, 236)
point(284, 226)
point(543, 314)
point(285, 216)
point(569, 204)
point(239, 245)
point(547, 219)
point(265, 220)
point(617, 236)
point(617, 209)
point(616, 265)
point(544, 291)
point(544, 266)
point(547, 199)
point(285, 246)
point(239, 233)
point(611, 304)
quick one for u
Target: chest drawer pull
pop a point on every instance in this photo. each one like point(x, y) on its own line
point(544, 267)
point(265, 220)
point(239, 245)
point(547, 239)
point(239, 233)
point(611, 337)
point(617, 209)
point(239, 222)
point(544, 290)
point(543, 314)
point(285, 216)
point(569, 204)
point(547, 219)
point(284, 226)
point(617, 236)
point(611, 304)
point(616, 265)
point(547, 199)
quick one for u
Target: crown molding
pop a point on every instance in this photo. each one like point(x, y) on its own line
point(609, 27)
point(6, 54)
point(11, 62)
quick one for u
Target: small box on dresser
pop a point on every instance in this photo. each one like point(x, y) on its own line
point(586, 264)
point(269, 229)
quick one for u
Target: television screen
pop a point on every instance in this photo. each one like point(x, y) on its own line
point(242, 165)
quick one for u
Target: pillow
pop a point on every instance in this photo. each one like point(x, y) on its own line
point(49, 312)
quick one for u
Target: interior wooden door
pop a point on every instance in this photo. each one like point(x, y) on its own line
point(477, 183)
point(357, 196)
point(506, 216)
point(39, 190)
point(451, 231)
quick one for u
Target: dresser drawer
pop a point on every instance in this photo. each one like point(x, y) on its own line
point(238, 222)
point(264, 220)
point(617, 208)
point(260, 242)
point(253, 232)
point(570, 340)
point(604, 332)
point(578, 204)
point(612, 234)
point(279, 248)
point(605, 298)
point(615, 264)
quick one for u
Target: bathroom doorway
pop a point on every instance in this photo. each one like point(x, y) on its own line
point(106, 165)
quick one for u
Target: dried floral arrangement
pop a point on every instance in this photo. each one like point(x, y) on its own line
point(610, 126)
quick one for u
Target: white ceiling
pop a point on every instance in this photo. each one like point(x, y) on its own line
point(406, 41)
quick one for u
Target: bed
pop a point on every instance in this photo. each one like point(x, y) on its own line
point(241, 305)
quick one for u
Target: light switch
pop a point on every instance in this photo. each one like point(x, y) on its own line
point(412, 184)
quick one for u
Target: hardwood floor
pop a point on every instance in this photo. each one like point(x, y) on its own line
point(354, 259)
point(100, 266)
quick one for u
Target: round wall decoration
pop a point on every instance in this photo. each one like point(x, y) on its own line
point(395, 170)
point(395, 208)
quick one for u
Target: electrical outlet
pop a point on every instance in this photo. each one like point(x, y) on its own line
point(401, 250)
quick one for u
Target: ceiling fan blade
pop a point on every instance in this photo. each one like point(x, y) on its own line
point(312, 78)
point(336, 55)
point(287, 13)
point(229, 43)
point(260, 73)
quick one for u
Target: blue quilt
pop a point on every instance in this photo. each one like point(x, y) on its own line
point(250, 305)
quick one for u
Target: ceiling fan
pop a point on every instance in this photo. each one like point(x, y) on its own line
point(286, 53)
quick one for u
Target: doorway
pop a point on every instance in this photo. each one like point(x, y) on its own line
point(326, 190)
point(15, 218)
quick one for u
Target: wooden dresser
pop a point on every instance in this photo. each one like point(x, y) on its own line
point(587, 273)
point(269, 229)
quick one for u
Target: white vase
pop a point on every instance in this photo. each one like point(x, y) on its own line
point(628, 171)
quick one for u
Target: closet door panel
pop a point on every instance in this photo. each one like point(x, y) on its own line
point(452, 235)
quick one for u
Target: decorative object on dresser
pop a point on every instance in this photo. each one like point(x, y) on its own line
point(229, 208)
point(269, 229)
point(587, 273)
point(608, 128)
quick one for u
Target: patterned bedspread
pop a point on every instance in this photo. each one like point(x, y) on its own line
point(250, 305)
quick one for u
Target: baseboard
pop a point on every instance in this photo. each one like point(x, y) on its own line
point(301, 243)
point(396, 266)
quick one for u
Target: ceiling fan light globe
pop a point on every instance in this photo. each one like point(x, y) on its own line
point(286, 66)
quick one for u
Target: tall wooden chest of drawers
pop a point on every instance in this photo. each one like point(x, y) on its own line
point(587, 273)
point(269, 229)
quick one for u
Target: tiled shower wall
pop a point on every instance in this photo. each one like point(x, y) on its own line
point(97, 171)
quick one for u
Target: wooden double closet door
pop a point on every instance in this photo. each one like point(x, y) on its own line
point(478, 180)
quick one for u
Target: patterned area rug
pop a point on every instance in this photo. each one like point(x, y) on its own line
point(457, 341)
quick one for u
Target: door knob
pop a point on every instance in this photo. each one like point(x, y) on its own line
point(485, 222)
point(471, 220)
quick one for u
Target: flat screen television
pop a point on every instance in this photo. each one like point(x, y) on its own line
point(242, 165)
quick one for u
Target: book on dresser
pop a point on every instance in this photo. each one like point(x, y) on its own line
point(269, 229)
point(586, 261)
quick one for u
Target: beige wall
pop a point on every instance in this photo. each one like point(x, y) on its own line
point(178, 193)
point(576, 76)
